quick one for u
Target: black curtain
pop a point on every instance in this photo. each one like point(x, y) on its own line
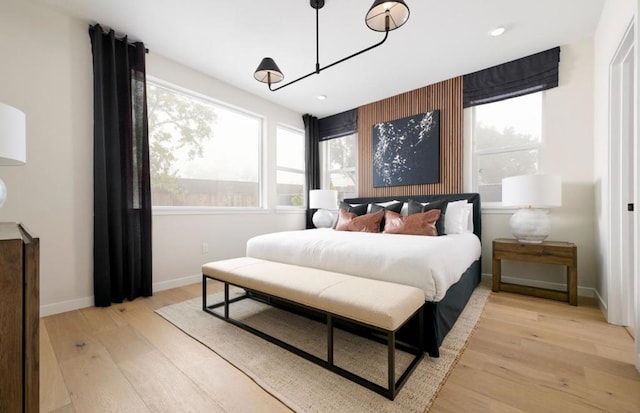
point(516, 78)
point(312, 158)
point(122, 195)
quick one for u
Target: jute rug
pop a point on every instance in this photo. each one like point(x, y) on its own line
point(306, 387)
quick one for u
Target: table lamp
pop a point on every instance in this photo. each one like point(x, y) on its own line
point(533, 194)
point(324, 200)
point(13, 141)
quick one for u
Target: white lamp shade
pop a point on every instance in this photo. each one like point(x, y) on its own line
point(13, 141)
point(536, 191)
point(323, 199)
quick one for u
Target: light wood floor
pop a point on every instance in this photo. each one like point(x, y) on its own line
point(526, 355)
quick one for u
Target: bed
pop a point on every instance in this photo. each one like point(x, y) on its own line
point(420, 261)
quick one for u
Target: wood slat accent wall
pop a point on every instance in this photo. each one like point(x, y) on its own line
point(444, 96)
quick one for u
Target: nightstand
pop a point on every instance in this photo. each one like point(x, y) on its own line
point(548, 252)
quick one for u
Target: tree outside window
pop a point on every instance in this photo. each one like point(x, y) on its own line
point(202, 153)
point(338, 165)
point(507, 141)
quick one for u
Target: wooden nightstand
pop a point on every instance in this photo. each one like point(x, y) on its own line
point(548, 252)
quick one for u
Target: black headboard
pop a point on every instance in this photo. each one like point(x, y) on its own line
point(471, 197)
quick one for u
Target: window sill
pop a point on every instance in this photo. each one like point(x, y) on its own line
point(496, 208)
point(160, 210)
point(290, 210)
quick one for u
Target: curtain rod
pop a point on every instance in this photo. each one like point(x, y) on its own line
point(121, 36)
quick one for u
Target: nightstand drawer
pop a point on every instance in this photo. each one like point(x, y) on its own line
point(551, 252)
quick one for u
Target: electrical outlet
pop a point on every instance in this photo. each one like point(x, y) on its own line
point(205, 248)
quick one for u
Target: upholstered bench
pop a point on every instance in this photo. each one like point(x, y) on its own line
point(377, 305)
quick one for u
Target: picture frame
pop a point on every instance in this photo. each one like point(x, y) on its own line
point(406, 151)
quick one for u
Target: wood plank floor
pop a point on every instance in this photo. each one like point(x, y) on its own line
point(526, 355)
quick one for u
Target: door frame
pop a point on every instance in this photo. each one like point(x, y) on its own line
point(619, 292)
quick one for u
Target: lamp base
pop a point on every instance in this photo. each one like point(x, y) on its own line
point(530, 225)
point(323, 218)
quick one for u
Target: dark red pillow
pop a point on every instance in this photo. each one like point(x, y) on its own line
point(349, 221)
point(423, 223)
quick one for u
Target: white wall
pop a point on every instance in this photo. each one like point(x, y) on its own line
point(568, 152)
point(46, 72)
point(614, 21)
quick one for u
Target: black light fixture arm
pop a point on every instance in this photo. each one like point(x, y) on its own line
point(320, 69)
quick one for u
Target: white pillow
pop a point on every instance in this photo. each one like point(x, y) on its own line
point(405, 209)
point(469, 212)
point(456, 217)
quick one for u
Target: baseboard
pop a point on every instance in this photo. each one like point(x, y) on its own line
point(178, 282)
point(582, 291)
point(602, 304)
point(64, 306)
point(77, 304)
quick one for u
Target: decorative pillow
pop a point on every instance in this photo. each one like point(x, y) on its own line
point(349, 221)
point(469, 210)
point(422, 223)
point(415, 207)
point(358, 209)
point(395, 206)
point(457, 218)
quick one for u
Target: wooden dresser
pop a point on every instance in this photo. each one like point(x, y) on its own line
point(19, 318)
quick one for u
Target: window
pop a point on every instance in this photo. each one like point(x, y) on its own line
point(506, 138)
point(202, 153)
point(290, 167)
point(338, 165)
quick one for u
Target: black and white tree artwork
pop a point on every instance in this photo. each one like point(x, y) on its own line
point(407, 151)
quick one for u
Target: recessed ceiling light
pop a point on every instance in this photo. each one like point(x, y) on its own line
point(497, 31)
point(322, 97)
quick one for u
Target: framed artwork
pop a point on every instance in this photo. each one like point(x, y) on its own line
point(407, 151)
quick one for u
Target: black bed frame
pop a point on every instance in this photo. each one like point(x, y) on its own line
point(439, 317)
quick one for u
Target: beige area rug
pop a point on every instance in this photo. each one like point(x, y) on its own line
point(307, 387)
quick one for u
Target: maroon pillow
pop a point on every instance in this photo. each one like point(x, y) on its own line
point(423, 223)
point(348, 221)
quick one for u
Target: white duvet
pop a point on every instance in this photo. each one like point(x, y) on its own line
point(432, 264)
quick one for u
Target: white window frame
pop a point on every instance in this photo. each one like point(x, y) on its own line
point(471, 156)
point(215, 210)
point(302, 207)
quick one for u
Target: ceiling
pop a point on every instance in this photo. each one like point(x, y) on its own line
point(442, 39)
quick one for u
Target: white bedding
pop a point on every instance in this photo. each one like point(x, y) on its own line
point(432, 264)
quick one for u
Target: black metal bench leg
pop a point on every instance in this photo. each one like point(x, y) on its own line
point(204, 292)
point(391, 356)
point(393, 386)
point(329, 339)
point(421, 328)
point(226, 300)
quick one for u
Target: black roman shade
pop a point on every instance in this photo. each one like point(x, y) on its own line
point(516, 78)
point(338, 125)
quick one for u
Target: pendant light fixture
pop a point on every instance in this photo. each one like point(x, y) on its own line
point(383, 16)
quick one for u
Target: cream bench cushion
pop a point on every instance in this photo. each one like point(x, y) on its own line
point(379, 303)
